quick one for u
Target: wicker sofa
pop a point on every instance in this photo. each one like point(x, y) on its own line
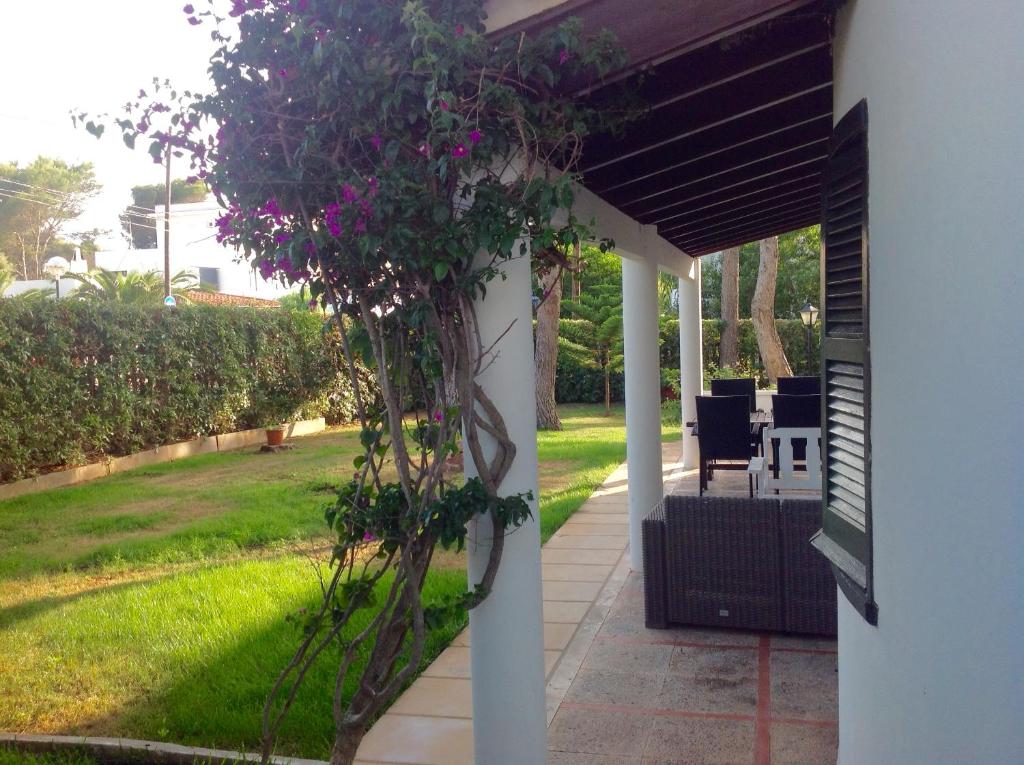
point(737, 562)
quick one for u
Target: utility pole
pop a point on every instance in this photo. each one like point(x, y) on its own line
point(167, 223)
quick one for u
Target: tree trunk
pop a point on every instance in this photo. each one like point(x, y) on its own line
point(762, 312)
point(545, 349)
point(729, 354)
point(607, 383)
point(344, 750)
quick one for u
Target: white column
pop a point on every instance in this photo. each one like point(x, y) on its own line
point(643, 396)
point(507, 629)
point(691, 357)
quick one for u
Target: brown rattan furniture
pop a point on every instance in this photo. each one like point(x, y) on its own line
point(737, 562)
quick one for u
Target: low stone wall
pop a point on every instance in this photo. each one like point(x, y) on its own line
point(130, 751)
point(167, 453)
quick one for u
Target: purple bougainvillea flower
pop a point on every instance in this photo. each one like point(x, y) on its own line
point(271, 208)
point(360, 227)
point(368, 537)
point(282, 236)
point(310, 248)
point(282, 73)
point(376, 141)
point(194, 21)
point(459, 30)
point(266, 269)
point(348, 194)
point(475, 136)
point(460, 150)
point(563, 57)
point(443, 105)
point(437, 416)
point(424, 150)
point(188, 9)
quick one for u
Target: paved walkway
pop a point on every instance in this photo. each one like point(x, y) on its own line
point(619, 694)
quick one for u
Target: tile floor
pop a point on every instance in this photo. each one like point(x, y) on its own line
point(620, 694)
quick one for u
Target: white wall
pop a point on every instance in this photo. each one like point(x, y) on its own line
point(194, 245)
point(941, 678)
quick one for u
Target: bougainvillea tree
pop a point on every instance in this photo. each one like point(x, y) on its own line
point(392, 156)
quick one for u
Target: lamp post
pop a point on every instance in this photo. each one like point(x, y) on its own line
point(808, 315)
point(55, 268)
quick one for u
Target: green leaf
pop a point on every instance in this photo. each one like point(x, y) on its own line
point(440, 270)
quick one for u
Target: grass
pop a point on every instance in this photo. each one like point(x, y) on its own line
point(186, 656)
point(154, 604)
point(15, 757)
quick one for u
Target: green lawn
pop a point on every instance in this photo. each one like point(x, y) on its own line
point(153, 604)
point(15, 757)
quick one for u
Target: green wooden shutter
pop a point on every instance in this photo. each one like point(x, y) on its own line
point(845, 537)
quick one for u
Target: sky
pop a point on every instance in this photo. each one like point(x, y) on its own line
point(92, 55)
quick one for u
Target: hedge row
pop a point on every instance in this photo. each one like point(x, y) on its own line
point(579, 383)
point(86, 380)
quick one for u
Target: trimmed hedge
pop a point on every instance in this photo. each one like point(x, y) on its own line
point(579, 383)
point(82, 380)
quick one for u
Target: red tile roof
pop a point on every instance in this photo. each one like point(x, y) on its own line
point(219, 298)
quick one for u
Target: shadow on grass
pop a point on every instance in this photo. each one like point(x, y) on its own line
point(218, 701)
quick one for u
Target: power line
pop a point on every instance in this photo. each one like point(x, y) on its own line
point(3, 193)
point(38, 188)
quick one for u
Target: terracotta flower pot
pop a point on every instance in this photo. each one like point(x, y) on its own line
point(275, 436)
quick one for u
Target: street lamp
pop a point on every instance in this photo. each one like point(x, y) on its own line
point(808, 315)
point(55, 268)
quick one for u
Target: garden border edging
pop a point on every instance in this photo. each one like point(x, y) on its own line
point(132, 751)
point(167, 453)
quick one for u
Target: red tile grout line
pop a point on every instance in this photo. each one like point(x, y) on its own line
point(824, 651)
point(662, 712)
point(655, 712)
point(625, 639)
point(763, 724)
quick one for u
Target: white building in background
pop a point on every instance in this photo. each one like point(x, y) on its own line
point(194, 248)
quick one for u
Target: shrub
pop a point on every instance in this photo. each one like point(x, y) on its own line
point(84, 380)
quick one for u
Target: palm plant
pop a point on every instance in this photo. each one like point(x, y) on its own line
point(601, 306)
point(134, 287)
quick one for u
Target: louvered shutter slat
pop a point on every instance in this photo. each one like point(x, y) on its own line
point(845, 538)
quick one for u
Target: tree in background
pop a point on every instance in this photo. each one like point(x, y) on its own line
point(601, 305)
point(134, 288)
point(729, 353)
point(7, 273)
point(138, 221)
point(36, 203)
point(798, 275)
point(762, 312)
point(545, 348)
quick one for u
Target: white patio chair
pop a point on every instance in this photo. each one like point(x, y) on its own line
point(789, 478)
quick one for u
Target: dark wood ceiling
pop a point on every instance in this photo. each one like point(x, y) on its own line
point(739, 113)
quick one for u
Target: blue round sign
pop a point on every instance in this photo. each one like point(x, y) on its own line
point(170, 302)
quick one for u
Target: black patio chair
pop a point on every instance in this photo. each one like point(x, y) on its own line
point(724, 436)
point(794, 412)
point(800, 386)
point(740, 386)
